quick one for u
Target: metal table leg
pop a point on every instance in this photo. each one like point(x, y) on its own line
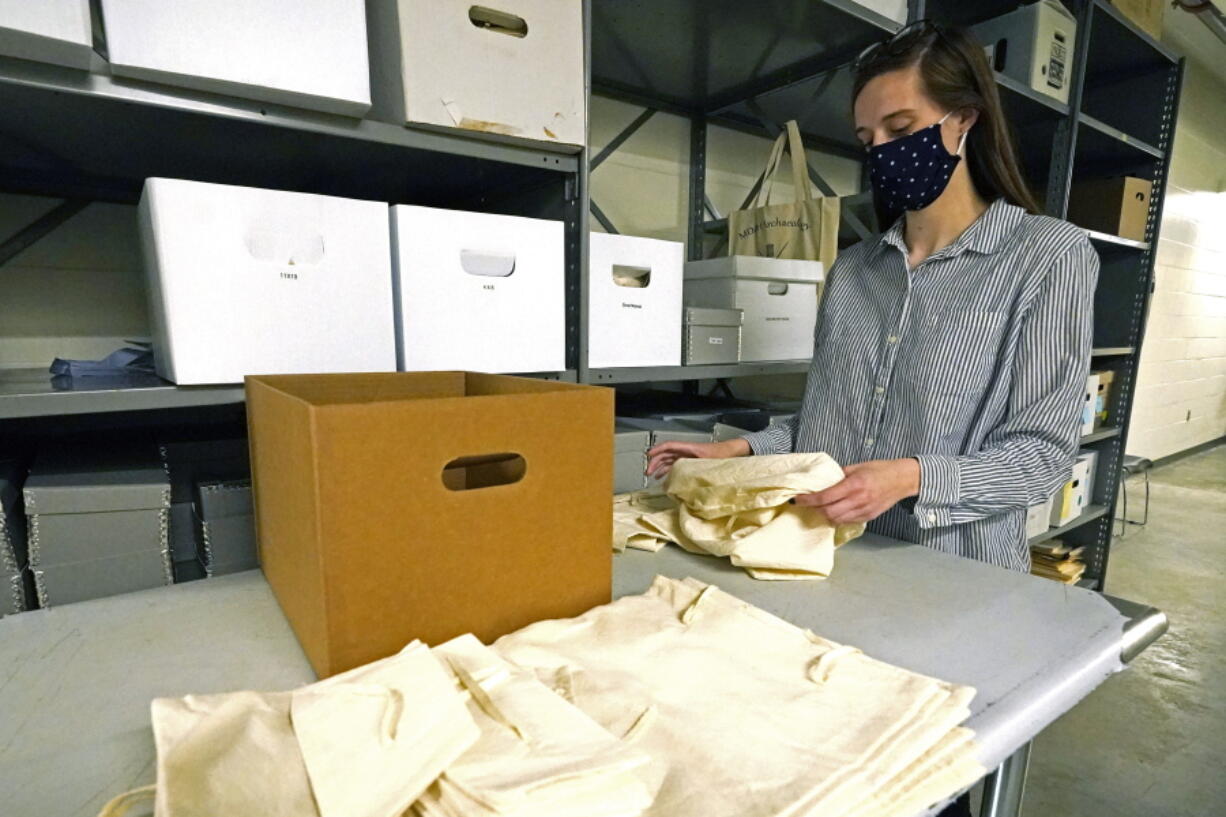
point(1002, 789)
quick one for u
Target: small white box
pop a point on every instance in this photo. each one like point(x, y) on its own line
point(1071, 500)
point(304, 53)
point(1089, 405)
point(634, 301)
point(1087, 487)
point(895, 10)
point(1034, 45)
point(779, 299)
point(1038, 518)
point(512, 70)
point(478, 292)
point(54, 31)
point(247, 281)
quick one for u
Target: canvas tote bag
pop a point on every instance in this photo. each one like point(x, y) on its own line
point(805, 229)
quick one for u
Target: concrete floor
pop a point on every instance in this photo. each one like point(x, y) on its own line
point(1152, 740)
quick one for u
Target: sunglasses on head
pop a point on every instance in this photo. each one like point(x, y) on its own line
point(899, 43)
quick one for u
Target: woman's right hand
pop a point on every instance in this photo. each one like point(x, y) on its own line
point(661, 458)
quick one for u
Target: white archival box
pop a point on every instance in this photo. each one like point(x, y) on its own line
point(513, 70)
point(478, 291)
point(54, 31)
point(634, 301)
point(304, 53)
point(778, 296)
point(248, 281)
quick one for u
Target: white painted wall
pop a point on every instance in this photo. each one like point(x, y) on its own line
point(1181, 385)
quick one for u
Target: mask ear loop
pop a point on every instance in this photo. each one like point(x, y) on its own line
point(961, 140)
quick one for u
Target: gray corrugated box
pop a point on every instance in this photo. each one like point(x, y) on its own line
point(663, 431)
point(96, 480)
point(227, 527)
point(183, 545)
point(711, 336)
point(96, 578)
point(12, 517)
point(16, 592)
point(193, 461)
point(189, 570)
point(629, 458)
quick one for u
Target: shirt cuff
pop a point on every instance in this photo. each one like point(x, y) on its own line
point(766, 441)
point(938, 490)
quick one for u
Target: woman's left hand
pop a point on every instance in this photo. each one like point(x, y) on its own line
point(867, 490)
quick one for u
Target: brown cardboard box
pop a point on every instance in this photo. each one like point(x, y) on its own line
point(1118, 206)
point(1145, 14)
point(366, 535)
point(1106, 378)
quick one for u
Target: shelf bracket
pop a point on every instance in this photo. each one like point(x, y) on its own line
point(29, 235)
point(620, 139)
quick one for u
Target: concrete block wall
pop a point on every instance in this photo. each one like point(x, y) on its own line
point(1181, 384)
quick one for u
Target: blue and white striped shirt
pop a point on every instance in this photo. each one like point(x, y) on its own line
point(974, 362)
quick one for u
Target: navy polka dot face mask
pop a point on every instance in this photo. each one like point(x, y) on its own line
point(912, 171)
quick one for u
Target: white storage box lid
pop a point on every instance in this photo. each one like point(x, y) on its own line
point(752, 268)
point(704, 316)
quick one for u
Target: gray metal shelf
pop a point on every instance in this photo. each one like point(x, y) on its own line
point(1092, 513)
point(1108, 241)
point(34, 393)
point(88, 135)
point(1112, 351)
point(655, 374)
point(1105, 149)
point(1101, 434)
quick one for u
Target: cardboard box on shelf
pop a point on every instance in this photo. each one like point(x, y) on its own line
point(634, 301)
point(505, 72)
point(1116, 206)
point(427, 505)
point(308, 54)
point(629, 458)
point(1037, 519)
point(53, 31)
point(478, 291)
point(1106, 380)
point(1070, 501)
point(778, 297)
point(1145, 14)
point(1089, 405)
point(248, 281)
point(712, 336)
point(227, 526)
point(1034, 45)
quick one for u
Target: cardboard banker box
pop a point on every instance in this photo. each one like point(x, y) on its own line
point(426, 505)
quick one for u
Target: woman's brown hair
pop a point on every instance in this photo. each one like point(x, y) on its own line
point(956, 75)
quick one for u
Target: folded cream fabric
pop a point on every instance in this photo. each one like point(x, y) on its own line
point(739, 508)
point(794, 724)
point(366, 743)
point(537, 754)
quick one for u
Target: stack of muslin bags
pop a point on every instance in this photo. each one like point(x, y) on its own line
point(740, 508)
point(1054, 559)
point(453, 731)
point(744, 714)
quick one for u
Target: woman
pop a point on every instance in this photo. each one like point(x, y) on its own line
point(951, 352)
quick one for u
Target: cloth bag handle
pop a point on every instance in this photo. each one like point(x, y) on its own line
point(789, 137)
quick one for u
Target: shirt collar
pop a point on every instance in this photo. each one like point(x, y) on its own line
point(984, 236)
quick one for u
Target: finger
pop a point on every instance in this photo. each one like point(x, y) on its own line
point(847, 512)
point(839, 491)
point(660, 461)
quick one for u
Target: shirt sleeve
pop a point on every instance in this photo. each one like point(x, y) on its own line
point(1029, 455)
point(776, 439)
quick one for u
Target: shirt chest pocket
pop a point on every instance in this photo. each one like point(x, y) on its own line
point(955, 352)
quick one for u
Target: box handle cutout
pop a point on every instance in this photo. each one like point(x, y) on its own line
point(777, 289)
point(295, 248)
point(499, 22)
point(486, 264)
point(631, 277)
point(487, 471)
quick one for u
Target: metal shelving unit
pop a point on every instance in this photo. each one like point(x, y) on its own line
point(682, 373)
point(1093, 513)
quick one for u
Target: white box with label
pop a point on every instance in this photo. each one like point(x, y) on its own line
point(248, 281)
point(1087, 487)
point(779, 298)
point(1089, 405)
point(304, 53)
point(1034, 45)
point(54, 31)
point(1071, 500)
point(510, 69)
point(634, 301)
point(478, 292)
point(1038, 519)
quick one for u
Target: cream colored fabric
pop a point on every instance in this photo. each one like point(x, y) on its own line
point(363, 744)
point(537, 755)
point(794, 724)
point(738, 508)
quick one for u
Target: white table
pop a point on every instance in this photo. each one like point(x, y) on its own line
point(76, 681)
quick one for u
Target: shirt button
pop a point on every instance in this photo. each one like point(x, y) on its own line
point(932, 517)
point(892, 339)
point(869, 441)
point(879, 390)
